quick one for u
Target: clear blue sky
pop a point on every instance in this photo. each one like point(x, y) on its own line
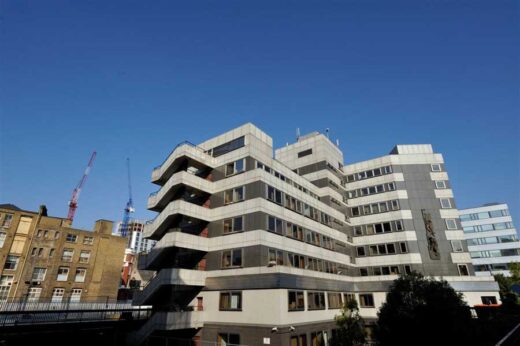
point(134, 78)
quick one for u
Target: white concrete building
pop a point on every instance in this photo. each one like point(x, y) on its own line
point(248, 241)
point(492, 239)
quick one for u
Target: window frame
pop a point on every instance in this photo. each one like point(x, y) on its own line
point(230, 295)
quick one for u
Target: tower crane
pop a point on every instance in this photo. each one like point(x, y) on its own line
point(73, 203)
point(129, 205)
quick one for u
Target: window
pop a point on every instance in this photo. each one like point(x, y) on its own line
point(360, 251)
point(363, 271)
point(275, 257)
point(463, 270)
point(81, 273)
point(7, 220)
point(232, 258)
point(67, 255)
point(445, 203)
point(228, 339)
point(38, 274)
point(39, 233)
point(57, 295)
point(296, 301)
point(84, 256)
point(316, 301)
point(88, 240)
point(228, 147)
point(235, 167)
point(296, 261)
point(440, 184)
point(304, 153)
point(63, 274)
point(488, 300)
point(456, 245)
point(451, 224)
point(436, 167)
point(51, 252)
point(334, 300)
point(234, 195)
point(75, 295)
point(233, 225)
point(71, 238)
point(56, 234)
point(403, 247)
point(366, 301)
point(274, 224)
point(11, 262)
point(34, 294)
point(2, 239)
point(230, 301)
point(6, 282)
point(408, 269)
point(298, 340)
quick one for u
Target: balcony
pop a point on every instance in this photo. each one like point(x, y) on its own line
point(183, 153)
point(182, 279)
point(169, 320)
point(159, 199)
point(176, 209)
point(169, 242)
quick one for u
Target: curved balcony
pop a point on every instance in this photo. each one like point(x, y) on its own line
point(183, 153)
point(175, 210)
point(182, 279)
point(166, 246)
point(159, 199)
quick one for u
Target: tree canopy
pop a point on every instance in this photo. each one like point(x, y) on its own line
point(423, 311)
point(351, 327)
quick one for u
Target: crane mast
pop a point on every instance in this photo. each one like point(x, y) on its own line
point(129, 205)
point(73, 203)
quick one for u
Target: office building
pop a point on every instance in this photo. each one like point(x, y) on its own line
point(492, 239)
point(261, 250)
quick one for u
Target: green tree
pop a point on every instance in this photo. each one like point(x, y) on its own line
point(351, 327)
point(423, 311)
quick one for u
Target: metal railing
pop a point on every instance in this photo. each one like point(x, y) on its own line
point(73, 315)
point(62, 303)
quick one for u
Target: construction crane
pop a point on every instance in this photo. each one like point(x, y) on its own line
point(73, 203)
point(129, 205)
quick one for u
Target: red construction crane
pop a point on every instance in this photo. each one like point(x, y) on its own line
point(73, 203)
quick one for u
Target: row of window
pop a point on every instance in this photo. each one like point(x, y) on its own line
point(287, 180)
point(385, 270)
point(234, 259)
point(281, 198)
point(484, 215)
point(278, 257)
point(371, 190)
point(492, 240)
point(227, 147)
point(34, 293)
point(494, 253)
point(382, 249)
point(316, 300)
point(375, 208)
point(298, 232)
point(488, 227)
point(378, 228)
point(369, 174)
point(492, 266)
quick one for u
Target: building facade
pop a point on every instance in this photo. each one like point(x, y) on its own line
point(43, 259)
point(492, 238)
point(257, 250)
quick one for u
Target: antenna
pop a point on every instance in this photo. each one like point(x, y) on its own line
point(297, 134)
point(337, 143)
point(327, 132)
